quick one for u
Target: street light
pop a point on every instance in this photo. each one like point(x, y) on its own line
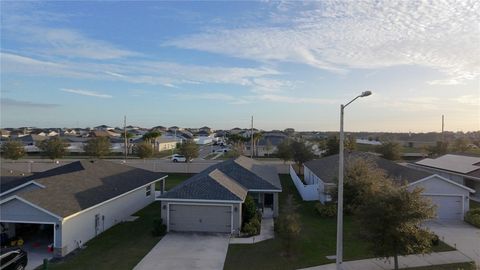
point(339, 257)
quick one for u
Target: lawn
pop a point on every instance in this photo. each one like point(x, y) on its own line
point(452, 266)
point(120, 247)
point(317, 240)
point(173, 179)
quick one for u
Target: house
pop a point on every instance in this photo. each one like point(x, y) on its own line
point(205, 129)
point(452, 199)
point(211, 201)
point(464, 170)
point(31, 141)
point(162, 144)
point(103, 127)
point(72, 204)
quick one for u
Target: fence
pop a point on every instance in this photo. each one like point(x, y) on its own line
point(307, 192)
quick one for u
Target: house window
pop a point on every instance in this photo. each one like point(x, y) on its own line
point(148, 190)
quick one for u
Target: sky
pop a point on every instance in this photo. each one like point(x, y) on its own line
point(289, 64)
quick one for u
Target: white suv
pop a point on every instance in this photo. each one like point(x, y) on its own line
point(178, 158)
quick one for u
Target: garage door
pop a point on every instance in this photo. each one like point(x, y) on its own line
point(200, 218)
point(448, 207)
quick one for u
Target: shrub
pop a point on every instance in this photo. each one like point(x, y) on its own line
point(159, 229)
point(326, 210)
point(252, 227)
point(473, 217)
point(249, 209)
point(435, 240)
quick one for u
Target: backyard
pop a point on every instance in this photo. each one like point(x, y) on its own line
point(317, 240)
point(173, 180)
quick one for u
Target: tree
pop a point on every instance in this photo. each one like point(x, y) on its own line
point(301, 153)
point(13, 150)
point(144, 150)
point(461, 144)
point(390, 150)
point(440, 148)
point(362, 178)
point(332, 146)
point(391, 222)
point(268, 147)
point(151, 136)
point(284, 151)
point(350, 143)
point(289, 226)
point(249, 209)
point(53, 148)
point(189, 149)
point(256, 137)
point(98, 147)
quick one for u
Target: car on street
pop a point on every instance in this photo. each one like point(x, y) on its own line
point(179, 158)
point(222, 150)
point(13, 259)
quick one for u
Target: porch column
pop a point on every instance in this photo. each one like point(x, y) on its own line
point(275, 204)
point(163, 185)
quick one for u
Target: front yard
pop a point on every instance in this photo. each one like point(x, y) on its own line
point(120, 247)
point(317, 240)
point(173, 180)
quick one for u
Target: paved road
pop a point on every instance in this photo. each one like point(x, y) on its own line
point(459, 234)
point(187, 251)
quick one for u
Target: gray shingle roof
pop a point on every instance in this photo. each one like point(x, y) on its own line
point(82, 184)
point(211, 185)
point(10, 179)
point(327, 168)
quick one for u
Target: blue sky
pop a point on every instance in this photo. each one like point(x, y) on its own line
point(290, 64)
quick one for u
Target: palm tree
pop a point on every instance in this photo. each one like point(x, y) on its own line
point(256, 137)
point(151, 136)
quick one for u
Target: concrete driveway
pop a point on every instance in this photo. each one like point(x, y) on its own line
point(187, 251)
point(460, 235)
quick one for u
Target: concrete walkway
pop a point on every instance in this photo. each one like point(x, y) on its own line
point(266, 232)
point(403, 261)
point(464, 237)
point(187, 251)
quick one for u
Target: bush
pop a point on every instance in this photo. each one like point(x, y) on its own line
point(253, 227)
point(435, 240)
point(326, 210)
point(473, 217)
point(159, 229)
point(249, 209)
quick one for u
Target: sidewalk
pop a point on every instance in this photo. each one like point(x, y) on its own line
point(266, 232)
point(403, 262)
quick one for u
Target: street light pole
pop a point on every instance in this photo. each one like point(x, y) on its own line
point(339, 256)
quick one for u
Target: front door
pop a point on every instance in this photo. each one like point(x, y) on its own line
point(268, 200)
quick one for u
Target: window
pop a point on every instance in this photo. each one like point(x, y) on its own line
point(148, 190)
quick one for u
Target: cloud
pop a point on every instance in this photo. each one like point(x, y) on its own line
point(295, 99)
point(85, 93)
point(468, 100)
point(343, 35)
point(9, 102)
point(230, 99)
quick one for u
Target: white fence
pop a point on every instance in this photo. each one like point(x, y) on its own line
point(308, 192)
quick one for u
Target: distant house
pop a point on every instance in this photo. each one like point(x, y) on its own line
point(174, 128)
point(104, 133)
point(205, 129)
point(464, 170)
point(161, 129)
point(103, 127)
point(72, 204)
point(269, 141)
point(211, 201)
point(31, 141)
point(236, 131)
point(452, 199)
point(4, 133)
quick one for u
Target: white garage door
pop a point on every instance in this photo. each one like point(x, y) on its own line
point(200, 218)
point(448, 207)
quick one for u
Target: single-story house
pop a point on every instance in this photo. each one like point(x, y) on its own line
point(211, 201)
point(452, 199)
point(69, 205)
point(464, 170)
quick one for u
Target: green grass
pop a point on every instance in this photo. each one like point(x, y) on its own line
point(173, 179)
point(317, 240)
point(451, 266)
point(120, 247)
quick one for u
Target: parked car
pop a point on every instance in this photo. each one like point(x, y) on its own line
point(222, 150)
point(178, 158)
point(13, 259)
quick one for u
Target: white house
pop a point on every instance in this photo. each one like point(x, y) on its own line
point(464, 170)
point(451, 198)
point(71, 204)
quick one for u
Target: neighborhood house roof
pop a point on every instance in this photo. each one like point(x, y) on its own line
point(10, 179)
point(327, 168)
point(229, 180)
point(83, 184)
point(455, 163)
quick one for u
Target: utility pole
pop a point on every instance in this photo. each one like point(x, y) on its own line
point(251, 139)
point(443, 128)
point(125, 146)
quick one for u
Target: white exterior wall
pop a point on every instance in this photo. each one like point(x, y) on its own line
point(78, 229)
point(437, 186)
